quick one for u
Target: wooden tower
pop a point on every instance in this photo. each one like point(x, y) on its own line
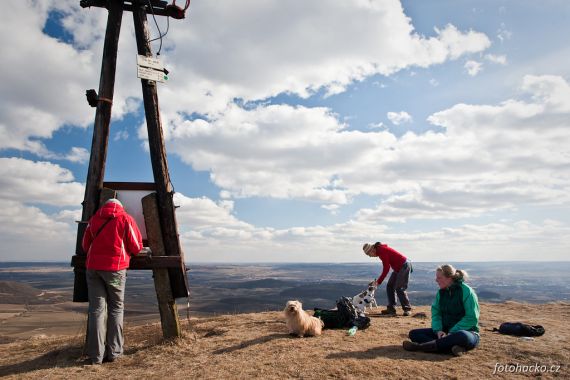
point(167, 258)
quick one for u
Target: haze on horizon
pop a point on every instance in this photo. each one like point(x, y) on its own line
point(296, 131)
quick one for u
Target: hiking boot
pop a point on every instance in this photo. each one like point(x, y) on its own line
point(430, 346)
point(410, 346)
point(407, 313)
point(388, 311)
point(457, 350)
point(90, 362)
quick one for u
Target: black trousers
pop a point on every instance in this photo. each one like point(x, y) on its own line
point(397, 285)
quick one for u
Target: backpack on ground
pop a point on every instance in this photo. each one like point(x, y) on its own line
point(352, 314)
point(520, 329)
point(331, 318)
point(345, 315)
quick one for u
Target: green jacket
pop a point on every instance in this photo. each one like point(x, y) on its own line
point(455, 308)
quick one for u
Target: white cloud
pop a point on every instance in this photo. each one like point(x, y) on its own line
point(378, 125)
point(28, 233)
point(516, 240)
point(43, 88)
point(121, 135)
point(499, 59)
point(202, 214)
point(208, 228)
point(457, 44)
point(486, 158)
point(549, 90)
point(503, 33)
point(473, 67)
point(277, 150)
point(398, 118)
point(433, 82)
point(333, 209)
point(423, 205)
point(44, 83)
point(211, 63)
point(75, 154)
point(273, 55)
point(27, 181)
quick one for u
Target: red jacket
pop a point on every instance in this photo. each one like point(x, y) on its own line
point(110, 249)
point(390, 258)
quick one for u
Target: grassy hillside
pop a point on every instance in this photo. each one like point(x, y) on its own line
point(242, 346)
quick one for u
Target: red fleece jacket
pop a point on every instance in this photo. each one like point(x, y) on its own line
point(390, 259)
point(111, 249)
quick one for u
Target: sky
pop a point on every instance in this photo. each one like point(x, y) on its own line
point(298, 130)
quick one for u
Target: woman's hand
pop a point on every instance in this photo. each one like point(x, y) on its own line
point(440, 334)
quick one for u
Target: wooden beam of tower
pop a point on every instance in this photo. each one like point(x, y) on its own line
point(166, 303)
point(96, 170)
point(178, 279)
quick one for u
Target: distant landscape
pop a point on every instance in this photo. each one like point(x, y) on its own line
point(243, 288)
point(42, 332)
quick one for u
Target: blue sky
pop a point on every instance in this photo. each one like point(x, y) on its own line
point(296, 131)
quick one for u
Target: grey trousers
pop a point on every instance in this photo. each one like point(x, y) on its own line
point(397, 284)
point(106, 290)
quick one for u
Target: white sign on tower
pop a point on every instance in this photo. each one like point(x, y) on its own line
point(150, 68)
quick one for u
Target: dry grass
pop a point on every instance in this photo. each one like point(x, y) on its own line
point(258, 346)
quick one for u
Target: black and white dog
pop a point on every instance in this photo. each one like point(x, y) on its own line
point(366, 298)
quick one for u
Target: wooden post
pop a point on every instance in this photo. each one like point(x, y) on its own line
point(106, 194)
point(166, 212)
point(96, 171)
point(166, 303)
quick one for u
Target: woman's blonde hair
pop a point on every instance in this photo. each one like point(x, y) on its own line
point(450, 272)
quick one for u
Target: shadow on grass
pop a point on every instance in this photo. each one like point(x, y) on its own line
point(391, 352)
point(65, 357)
point(252, 342)
point(61, 357)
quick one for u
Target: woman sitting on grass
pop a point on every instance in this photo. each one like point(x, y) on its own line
point(454, 317)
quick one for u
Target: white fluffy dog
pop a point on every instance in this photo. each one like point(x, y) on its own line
point(299, 322)
point(366, 298)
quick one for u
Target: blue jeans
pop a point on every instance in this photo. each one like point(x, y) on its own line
point(466, 339)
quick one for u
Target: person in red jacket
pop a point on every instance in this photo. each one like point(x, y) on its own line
point(111, 237)
point(398, 281)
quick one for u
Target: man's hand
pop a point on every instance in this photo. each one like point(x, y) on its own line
point(145, 251)
point(440, 334)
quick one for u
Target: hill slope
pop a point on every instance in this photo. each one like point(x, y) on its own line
point(257, 345)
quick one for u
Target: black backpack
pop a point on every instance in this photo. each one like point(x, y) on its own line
point(352, 315)
point(520, 329)
point(331, 318)
point(345, 315)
